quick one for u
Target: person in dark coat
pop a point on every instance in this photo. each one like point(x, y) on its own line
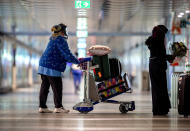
point(52, 64)
point(157, 69)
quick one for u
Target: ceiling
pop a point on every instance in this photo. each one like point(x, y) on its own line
point(103, 16)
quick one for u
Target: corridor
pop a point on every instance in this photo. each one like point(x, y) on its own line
point(140, 37)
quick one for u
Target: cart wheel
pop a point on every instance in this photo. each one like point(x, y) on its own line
point(132, 106)
point(83, 112)
point(123, 108)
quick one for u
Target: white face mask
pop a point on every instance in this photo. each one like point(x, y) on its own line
point(66, 34)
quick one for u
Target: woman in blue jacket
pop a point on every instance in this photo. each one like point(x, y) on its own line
point(52, 63)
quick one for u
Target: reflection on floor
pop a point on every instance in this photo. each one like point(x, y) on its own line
point(18, 112)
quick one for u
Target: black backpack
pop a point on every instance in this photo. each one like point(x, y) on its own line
point(115, 67)
point(103, 72)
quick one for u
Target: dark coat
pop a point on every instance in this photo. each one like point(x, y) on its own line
point(157, 70)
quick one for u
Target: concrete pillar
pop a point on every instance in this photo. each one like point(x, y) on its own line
point(30, 78)
point(14, 71)
point(30, 73)
point(1, 68)
point(187, 39)
point(14, 77)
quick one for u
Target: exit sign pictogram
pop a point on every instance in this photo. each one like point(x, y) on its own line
point(82, 3)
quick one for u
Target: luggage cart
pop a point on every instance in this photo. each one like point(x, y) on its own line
point(92, 95)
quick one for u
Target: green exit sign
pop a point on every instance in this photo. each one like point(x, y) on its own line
point(82, 3)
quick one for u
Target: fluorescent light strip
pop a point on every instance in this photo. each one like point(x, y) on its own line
point(181, 13)
point(82, 33)
point(81, 52)
point(81, 45)
point(81, 10)
point(82, 14)
point(179, 16)
point(81, 40)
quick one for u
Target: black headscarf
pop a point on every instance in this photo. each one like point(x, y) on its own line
point(158, 33)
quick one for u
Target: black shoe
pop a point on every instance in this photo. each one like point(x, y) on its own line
point(160, 113)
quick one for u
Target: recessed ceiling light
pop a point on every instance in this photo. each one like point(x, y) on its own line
point(181, 13)
point(179, 16)
point(187, 11)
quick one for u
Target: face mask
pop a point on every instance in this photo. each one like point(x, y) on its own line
point(66, 33)
point(66, 37)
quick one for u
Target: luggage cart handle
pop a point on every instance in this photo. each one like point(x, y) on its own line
point(84, 63)
point(86, 59)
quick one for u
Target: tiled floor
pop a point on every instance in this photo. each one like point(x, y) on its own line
point(18, 112)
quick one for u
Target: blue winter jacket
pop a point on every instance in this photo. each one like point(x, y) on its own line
point(57, 54)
